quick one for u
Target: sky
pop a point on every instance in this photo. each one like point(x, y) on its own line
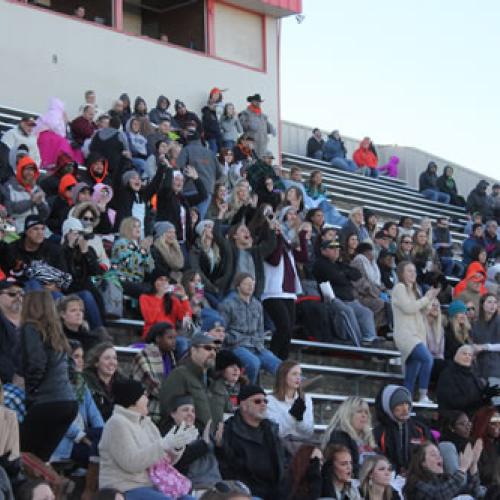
point(421, 73)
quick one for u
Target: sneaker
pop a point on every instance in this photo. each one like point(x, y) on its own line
point(426, 400)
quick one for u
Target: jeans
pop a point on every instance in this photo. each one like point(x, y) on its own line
point(344, 164)
point(139, 165)
point(181, 346)
point(368, 172)
point(149, 493)
point(452, 267)
point(366, 320)
point(213, 146)
point(228, 144)
point(419, 364)
point(318, 155)
point(253, 360)
point(332, 215)
point(435, 195)
point(203, 206)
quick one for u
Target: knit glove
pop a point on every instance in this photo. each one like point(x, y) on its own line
point(491, 391)
point(179, 437)
point(297, 410)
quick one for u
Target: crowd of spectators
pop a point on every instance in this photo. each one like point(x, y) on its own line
point(187, 224)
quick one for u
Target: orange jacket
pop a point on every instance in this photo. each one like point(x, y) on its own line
point(24, 162)
point(364, 157)
point(473, 269)
point(153, 311)
point(67, 181)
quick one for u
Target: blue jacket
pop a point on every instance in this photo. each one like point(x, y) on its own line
point(468, 246)
point(88, 418)
point(333, 148)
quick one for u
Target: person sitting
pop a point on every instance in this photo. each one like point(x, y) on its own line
point(424, 257)
point(198, 462)
point(472, 288)
point(100, 373)
point(250, 449)
point(446, 184)
point(366, 158)
point(475, 239)
point(435, 337)
point(304, 474)
point(166, 250)
point(351, 427)
point(82, 437)
point(397, 433)
point(441, 242)
point(425, 479)
point(390, 168)
point(166, 303)
point(131, 444)
point(457, 331)
point(458, 386)
point(185, 119)
point(486, 426)
point(244, 318)
point(155, 362)
point(83, 127)
point(478, 201)
point(375, 479)
point(102, 196)
point(290, 407)
point(261, 169)
point(337, 474)
point(335, 152)
point(96, 170)
point(22, 195)
point(50, 183)
point(355, 225)
point(315, 145)
point(492, 243)
point(141, 113)
point(428, 185)
point(455, 436)
point(191, 378)
point(160, 112)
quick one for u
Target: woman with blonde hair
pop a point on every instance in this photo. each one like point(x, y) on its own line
point(240, 197)
point(50, 400)
point(410, 333)
point(288, 406)
point(131, 257)
point(458, 329)
point(375, 479)
point(351, 426)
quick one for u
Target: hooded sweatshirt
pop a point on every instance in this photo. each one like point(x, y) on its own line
point(62, 204)
point(477, 201)
point(364, 156)
point(428, 179)
point(90, 177)
point(397, 439)
point(17, 195)
point(158, 114)
point(472, 270)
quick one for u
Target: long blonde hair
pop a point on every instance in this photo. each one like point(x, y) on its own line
point(461, 332)
point(367, 468)
point(126, 227)
point(435, 324)
point(342, 420)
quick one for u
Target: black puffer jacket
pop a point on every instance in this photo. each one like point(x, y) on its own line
point(477, 201)
point(45, 371)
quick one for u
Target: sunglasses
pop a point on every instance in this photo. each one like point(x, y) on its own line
point(259, 401)
point(14, 294)
point(88, 219)
point(209, 348)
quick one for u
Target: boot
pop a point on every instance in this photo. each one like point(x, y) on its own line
point(91, 481)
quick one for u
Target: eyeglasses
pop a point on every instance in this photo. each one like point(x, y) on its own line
point(209, 348)
point(472, 308)
point(20, 293)
point(406, 242)
point(88, 219)
point(259, 401)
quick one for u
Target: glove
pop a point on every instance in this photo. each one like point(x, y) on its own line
point(179, 437)
point(491, 391)
point(297, 410)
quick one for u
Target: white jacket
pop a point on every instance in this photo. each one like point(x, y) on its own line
point(13, 138)
point(277, 411)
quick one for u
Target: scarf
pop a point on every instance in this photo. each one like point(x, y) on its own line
point(171, 254)
point(246, 151)
point(254, 109)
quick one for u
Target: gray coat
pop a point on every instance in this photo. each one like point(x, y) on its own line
point(204, 162)
point(230, 128)
point(244, 323)
point(259, 126)
point(488, 363)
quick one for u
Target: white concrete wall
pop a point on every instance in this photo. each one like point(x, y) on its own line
point(412, 160)
point(63, 57)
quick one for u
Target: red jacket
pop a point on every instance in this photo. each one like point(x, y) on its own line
point(363, 156)
point(153, 311)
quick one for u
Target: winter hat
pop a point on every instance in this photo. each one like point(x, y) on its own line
point(178, 104)
point(127, 392)
point(249, 390)
point(399, 396)
point(226, 358)
point(200, 227)
point(160, 228)
point(185, 399)
point(79, 187)
point(456, 307)
point(32, 220)
point(128, 175)
point(210, 319)
point(71, 224)
point(284, 211)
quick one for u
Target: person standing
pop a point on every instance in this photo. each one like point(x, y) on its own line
point(50, 399)
point(408, 307)
point(257, 123)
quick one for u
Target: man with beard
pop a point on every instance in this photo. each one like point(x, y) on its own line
point(191, 379)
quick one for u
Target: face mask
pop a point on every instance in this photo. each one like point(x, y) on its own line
point(87, 225)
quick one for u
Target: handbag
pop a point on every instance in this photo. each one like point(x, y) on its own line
point(168, 479)
point(111, 291)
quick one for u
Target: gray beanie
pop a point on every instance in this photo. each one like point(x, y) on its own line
point(160, 228)
point(129, 174)
point(200, 227)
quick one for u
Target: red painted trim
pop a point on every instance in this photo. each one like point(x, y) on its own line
point(263, 33)
point(290, 5)
point(151, 40)
point(118, 15)
point(278, 90)
point(210, 27)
